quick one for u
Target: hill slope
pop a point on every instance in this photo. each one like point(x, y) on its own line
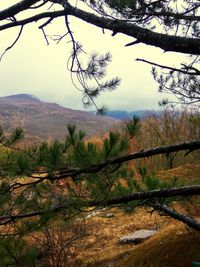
point(42, 121)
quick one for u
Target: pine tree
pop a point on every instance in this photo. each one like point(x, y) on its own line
point(31, 197)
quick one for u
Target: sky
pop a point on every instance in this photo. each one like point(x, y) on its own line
point(33, 67)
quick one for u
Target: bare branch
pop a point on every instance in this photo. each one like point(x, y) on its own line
point(176, 16)
point(164, 41)
point(194, 71)
point(132, 43)
point(46, 23)
point(35, 18)
point(189, 221)
point(149, 195)
point(15, 9)
point(13, 44)
point(39, 5)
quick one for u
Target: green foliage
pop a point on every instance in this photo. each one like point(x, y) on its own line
point(133, 126)
point(74, 152)
point(15, 252)
point(50, 156)
point(20, 163)
point(15, 136)
point(143, 172)
point(41, 191)
point(89, 77)
point(114, 145)
point(152, 182)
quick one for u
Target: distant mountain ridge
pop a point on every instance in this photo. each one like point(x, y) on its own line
point(124, 115)
point(21, 97)
point(46, 121)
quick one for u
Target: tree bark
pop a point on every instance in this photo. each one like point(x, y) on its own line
point(190, 145)
point(149, 195)
point(15, 9)
point(164, 41)
point(189, 221)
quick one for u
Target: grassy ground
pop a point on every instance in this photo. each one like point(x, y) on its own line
point(174, 246)
point(97, 238)
point(102, 246)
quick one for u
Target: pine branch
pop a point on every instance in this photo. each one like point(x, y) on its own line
point(190, 145)
point(149, 195)
point(186, 70)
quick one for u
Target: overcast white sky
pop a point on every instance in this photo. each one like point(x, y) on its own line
point(32, 67)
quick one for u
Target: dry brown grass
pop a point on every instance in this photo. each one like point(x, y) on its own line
point(102, 243)
point(165, 249)
point(174, 246)
point(188, 172)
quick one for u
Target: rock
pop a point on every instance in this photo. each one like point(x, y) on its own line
point(98, 213)
point(92, 214)
point(109, 215)
point(137, 237)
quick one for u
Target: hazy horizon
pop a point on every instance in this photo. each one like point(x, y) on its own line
point(87, 110)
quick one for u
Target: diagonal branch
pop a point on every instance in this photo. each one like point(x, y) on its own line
point(190, 145)
point(74, 172)
point(15, 9)
point(189, 221)
point(149, 195)
point(176, 16)
point(190, 71)
point(13, 44)
point(164, 41)
point(35, 18)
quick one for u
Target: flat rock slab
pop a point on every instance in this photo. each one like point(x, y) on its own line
point(92, 214)
point(109, 215)
point(137, 237)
